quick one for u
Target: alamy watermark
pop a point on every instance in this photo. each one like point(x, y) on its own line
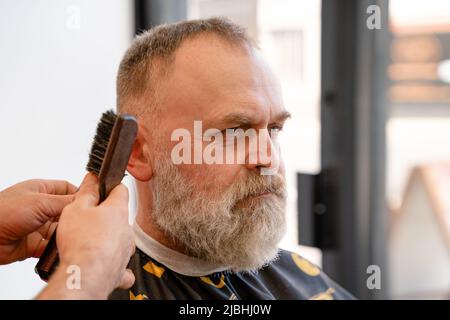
point(73, 281)
point(374, 278)
point(374, 19)
point(73, 17)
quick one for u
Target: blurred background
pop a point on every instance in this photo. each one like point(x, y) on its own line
point(367, 151)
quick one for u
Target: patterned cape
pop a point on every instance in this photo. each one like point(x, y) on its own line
point(288, 277)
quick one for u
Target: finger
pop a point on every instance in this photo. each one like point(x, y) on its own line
point(47, 229)
point(88, 196)
point(127, 280)
point(52, 205)
point(131, 249)
point(117, 197)
point(56, 187)
point(35, 245)
point(40, 247)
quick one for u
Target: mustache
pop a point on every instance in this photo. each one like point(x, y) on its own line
point(254, 185)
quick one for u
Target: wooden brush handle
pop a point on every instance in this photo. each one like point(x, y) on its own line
point(49, 259)
point(117, 154)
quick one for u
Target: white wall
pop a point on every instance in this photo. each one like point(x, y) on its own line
point(58, 61)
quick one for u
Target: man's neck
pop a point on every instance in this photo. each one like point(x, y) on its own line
point(146, 223)
point(164, 253)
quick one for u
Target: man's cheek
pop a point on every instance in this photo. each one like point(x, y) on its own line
point(282, 168)
point(222, 177)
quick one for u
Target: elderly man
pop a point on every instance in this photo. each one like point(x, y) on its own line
point(209, 229)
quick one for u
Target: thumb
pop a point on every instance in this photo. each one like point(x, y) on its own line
point(88, 195)
point(117, 197)
point(127, 279)
point(52, 205)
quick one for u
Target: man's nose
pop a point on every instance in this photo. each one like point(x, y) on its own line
point(262, 154)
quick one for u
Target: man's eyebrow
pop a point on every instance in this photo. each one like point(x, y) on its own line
point(244, 119)
point(283, 116)
point(237, 119)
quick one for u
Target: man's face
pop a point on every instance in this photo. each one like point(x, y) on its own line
point(228, 213)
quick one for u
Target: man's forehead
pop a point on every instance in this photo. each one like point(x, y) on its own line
point(210, 57)
point(212, 78)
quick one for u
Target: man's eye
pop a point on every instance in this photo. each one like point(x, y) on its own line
point(275, 130)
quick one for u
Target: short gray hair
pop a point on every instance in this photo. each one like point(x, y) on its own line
point(152, 52)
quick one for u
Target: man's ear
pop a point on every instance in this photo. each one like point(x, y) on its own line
point(140, 165)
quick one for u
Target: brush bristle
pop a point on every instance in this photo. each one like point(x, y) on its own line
point(101, 140)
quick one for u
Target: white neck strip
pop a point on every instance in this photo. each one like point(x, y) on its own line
point(174, 260)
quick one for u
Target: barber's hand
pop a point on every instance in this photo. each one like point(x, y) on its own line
point(98, 240)
point(28, 212)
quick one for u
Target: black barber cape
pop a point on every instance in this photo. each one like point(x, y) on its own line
point(288, 277)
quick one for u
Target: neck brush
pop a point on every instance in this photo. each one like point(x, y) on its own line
point(108, 159)
point(111, 150)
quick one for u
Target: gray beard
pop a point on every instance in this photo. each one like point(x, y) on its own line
point(230, 227)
